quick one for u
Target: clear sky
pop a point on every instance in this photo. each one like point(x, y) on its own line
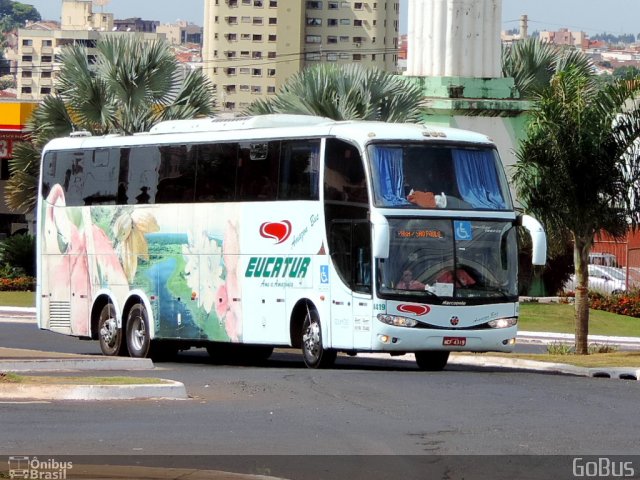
point(591, 16)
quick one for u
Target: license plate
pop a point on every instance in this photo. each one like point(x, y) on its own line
point(454, 341)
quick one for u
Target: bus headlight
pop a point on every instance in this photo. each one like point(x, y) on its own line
point(503, 322)
point(396, 320)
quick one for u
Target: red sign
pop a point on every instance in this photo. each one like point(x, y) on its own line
point(278, 231)
point(417, 310)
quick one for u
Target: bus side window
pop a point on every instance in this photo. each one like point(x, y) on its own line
point(216, 171)
point(299, 170)
point(258, 171)
point(344, 176)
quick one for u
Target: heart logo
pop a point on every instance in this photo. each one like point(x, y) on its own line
point(417, 310)
point(278, 231)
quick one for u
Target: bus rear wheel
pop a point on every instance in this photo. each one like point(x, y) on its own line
point(432, 361)
point(138, 340)
point(109, 334)
point(313, 352)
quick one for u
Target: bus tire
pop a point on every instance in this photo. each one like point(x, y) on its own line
point(138, 341)
point(109, 335)
point(313, 352)
point(432, 361)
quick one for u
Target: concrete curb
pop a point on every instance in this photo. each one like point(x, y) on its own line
point(168, 390)
point(546, 338)
point(75, 364)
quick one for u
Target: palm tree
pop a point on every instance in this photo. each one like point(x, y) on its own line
point(129, 86)
point(579, 168)
point(346, 92)
point(532, 63)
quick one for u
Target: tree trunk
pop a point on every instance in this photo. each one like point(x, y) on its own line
point(581, 262)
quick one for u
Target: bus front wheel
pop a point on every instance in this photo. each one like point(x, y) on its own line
point(138, 340)
point(313, 352)
point(109, 334)
point(432, 361)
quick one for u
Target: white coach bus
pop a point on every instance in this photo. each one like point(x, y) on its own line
point(241, 235)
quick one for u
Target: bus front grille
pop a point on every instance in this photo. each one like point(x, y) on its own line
point(60, 315)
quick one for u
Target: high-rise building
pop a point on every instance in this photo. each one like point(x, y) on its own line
point(251, 47)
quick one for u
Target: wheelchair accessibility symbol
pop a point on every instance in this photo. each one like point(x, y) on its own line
point(463, 230)
point(324, 273)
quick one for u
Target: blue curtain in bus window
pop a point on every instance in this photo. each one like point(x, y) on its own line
point(477, 179)
point(388, 164)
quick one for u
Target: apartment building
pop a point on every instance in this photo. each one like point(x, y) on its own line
point(251, 47)
point(181, 32)
point(38, 48)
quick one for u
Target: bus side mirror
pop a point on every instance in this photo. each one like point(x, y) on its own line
point(380, 240)
point(538, 239)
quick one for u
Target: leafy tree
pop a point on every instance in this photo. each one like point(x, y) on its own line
point(15, 14)
point(19, 251)
point(132, 85)
point(579, 168)
point(345, 92)
point(532, 63)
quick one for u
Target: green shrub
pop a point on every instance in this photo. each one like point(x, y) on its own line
point(623, 304)
point(19, 252)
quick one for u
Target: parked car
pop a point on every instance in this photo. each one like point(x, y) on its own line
point(602, 279)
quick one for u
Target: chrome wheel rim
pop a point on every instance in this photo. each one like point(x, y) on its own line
point(138, 333)
point(311, 340)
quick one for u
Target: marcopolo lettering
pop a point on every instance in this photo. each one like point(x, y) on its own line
point(277, 267)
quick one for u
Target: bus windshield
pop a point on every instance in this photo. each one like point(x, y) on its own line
point(449, 258)
point(438, 176)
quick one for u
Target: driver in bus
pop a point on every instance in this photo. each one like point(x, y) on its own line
point(407, 282)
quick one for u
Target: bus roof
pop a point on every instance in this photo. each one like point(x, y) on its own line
point(267, 127)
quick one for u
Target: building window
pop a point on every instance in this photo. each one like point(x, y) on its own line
point(256, 89)
point(256, 72)
point(357, 6)
point(233, 3)
point(315, 22)
point(47, 43)
point(45, 74)
point(313, 39)
point(271, 89)
point(245, 19)
point(345, 38)
point(245, 36)
point(357, 23)
point(331, 39)
point(232, 37)
point(230, 88)
point(345, 21)
point(231, 71)
point(230, 105)
point(257, 38)
point(27, 58)
point(312, 57)
point(314, 5)
point(273, 21)
point(245, 71)
point(332, 22)
point(271, 72)
point(356, 57)
point(244, 53)
point(27, 74)
point(27, 42)
point(232, 20)
point(244, 88)
point(273, 38)
point(256, 55)
point(332, 57)
point(273, 4)
point(231, 54)
point(333, 5)
point(258, 3)
point(26, 90)
point(271, 55)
